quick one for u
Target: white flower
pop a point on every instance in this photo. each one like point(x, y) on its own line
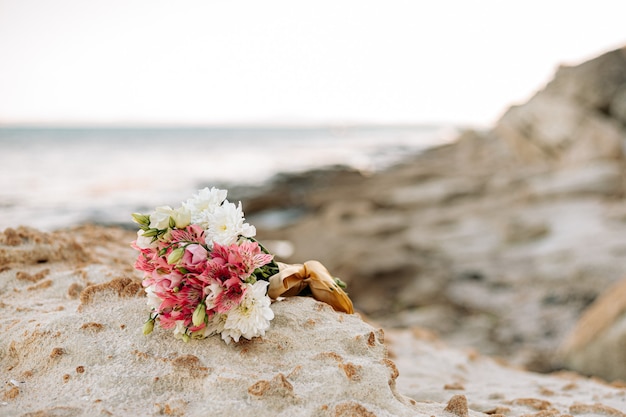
point(153, 300)
point(144, 242)
point(211, 292)
point(181, 217)
point(252, 317)
point(203, 203)
point(180, 330)
point(215, 324)
point(226, 224)
point(160, 218)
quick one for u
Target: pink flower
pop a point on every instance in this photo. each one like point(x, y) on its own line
point(144, 262)
point(195, 258)
point(198, 276)
point(241, 258)
point(168, 320)
point(165, 282)
point(217, 270)
point(230, 296)
point(192, 233)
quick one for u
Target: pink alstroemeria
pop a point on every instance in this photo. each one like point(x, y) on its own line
point(190, 234)
point(217, 270)
point(199, 276)
point(241, 258)
point(230, 296)
point(168, 320)
point(144, 261)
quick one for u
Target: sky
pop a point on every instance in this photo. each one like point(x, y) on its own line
point(289, 61)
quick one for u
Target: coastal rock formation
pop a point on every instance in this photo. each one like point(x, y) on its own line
point(74, 347)
point(467, 381)
point(67, 351)
point(499, 240)
point(596, 345)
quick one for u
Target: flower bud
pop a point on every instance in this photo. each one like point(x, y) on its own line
point(175, 255)
point(186, 338)
point(148, 327)
point(199, 315)
point(141, 219)
point(150, 233)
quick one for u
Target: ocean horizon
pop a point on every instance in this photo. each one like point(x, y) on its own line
point(54, 177)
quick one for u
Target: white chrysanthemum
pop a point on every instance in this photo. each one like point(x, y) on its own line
point(203, 203)
point(226, 224)
point(252, 317)
point(153, 300)
point(215, 324)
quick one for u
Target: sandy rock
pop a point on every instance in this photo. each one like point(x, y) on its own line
point(601, 178)
point(82, 354)
point(466, 380)
point(618, 105)
point(512, 231)
point(552, 129)
point(313, 361)
point(27, 245)
point(576, 118)
point(593, 83)
point(596, 345)
point(435, 192)
point(68, 354)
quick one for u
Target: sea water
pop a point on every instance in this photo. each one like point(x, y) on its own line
point(52, 178)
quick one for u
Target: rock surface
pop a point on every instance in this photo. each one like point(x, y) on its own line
point(499, 240)
point(597, 344)
point(73, 352)
point(72, 346)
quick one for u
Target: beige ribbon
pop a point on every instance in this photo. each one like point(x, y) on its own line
point(293, 279)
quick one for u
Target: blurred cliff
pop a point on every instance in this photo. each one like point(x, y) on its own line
point(500, 240)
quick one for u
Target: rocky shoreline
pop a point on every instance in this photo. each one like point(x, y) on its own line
point(73, 310)
point(500, 240)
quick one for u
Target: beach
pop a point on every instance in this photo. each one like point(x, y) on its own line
point(487, 272)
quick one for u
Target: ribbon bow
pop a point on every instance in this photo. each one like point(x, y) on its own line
point(293, 279)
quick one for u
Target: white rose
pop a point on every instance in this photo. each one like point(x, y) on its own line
point(153, 300)
point(160, 219)
point(182, 217)
point(142, 241)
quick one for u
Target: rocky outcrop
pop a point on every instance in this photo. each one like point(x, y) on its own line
point(596, 344)
point(575, 119)
point(507, 234)
point(72, 351)
point(67, 351)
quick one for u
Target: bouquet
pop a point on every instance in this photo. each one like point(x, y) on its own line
point(206, 274)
